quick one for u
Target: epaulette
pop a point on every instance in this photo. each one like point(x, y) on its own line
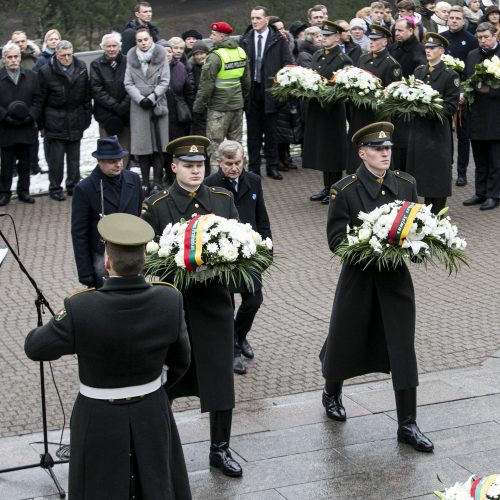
point(164, 283)
point(219, 190)
point(346, 182)
point(403, 175)
point(81, 291)
point(392, 59)
point(421, 66)
point(155, 198)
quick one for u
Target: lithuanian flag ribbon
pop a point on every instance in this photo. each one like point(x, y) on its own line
point(193, 242)
point(402, 223)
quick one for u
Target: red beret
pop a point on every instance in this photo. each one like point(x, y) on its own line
point(222, 27)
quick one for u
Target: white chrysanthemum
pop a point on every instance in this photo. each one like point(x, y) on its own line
point(213, 248)
point(164, 252)
point(364, 234)
point(179, 260)
point(268, 243)
point(168, 228)
point(152, 247)
point(228, 252)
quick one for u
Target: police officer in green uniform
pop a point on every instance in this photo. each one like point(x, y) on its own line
point(372, 327)
point(325, 128)
point(223, 88)
point(431, 165)
point(124, 441)
point(208, 306)
point(381, 64)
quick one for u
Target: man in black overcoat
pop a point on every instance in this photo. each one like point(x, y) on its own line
point(381, 64)
point(20, 107)
point(348, 47)
point(208, 306)
point(485, 124)
point(107, 190)
point(372, 327)
point(124, 440)
point(431, 165)
point(249, 200)
point(325, 132)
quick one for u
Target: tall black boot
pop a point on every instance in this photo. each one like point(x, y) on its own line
point(332, 400)
point(408, 431)
point(220, 433)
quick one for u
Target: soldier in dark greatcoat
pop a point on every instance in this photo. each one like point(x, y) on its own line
point(381, 64)
point(431, 165)
point(124, 441)
point(325, 130)
point(372, 327)
point(208, 306)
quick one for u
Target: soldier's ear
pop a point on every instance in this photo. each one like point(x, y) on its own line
point(362, 153)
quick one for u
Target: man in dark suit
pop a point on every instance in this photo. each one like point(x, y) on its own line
point(108, 189)
point(124, 441)
point(249, 200)
point(267, 52)
point(485, 124)
point(372, 327)
point(207, 306)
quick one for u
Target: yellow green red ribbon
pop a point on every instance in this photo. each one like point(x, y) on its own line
point(193, 242)
point(402, 223)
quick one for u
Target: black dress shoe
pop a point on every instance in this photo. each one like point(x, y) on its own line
point(26, 198)
point(473, 200)
point(334, 407)
point(220, 457)
point(4, 199)
point(326, 200)
point(320, 196)
point(246, 349)
point(488, 204)
point(58, 196)
point(274, 174)
point(69, 192)
point(461, 181)
point(238, 366)
point(409, 433)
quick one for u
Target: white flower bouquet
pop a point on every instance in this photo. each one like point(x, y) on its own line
point(208, 247)
point(453, 62)
point(486, 74)
point(292, 82)
point(409, 98)
point(357, 85)
point(487, 488)
point(401, 232)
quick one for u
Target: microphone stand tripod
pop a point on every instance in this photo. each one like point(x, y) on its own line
point(46, 460)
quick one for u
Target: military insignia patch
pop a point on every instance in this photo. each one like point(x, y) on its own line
point(382, 135)
point(60, 315)
point(397, 72)
point(193, 149)
point(457, 82)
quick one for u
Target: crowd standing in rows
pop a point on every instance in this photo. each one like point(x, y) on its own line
point(160, 98)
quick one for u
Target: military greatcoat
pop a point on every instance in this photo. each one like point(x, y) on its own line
point(372, 326)
point(385, 67)
point(208, 307)
point(430, 149)
point(325, 132)
point(123, 334)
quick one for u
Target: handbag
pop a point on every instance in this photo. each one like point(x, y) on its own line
point(161, 107)
point(183, 112)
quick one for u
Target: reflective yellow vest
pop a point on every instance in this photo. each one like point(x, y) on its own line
point(232, 69)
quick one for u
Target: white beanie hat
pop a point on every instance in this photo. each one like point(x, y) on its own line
point(357, 22)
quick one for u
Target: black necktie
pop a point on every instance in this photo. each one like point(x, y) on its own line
point(258, 59)
point(234, 185)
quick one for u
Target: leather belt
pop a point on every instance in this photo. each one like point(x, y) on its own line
point(126, 393)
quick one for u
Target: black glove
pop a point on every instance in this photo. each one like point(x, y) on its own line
point(146, 103)
point(28, 120)
point(11, 122)
point(87, 281)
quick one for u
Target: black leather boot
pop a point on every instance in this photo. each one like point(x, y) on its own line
point(332, 401)
point(220, 433)
point(408, 431)
point(321, 195)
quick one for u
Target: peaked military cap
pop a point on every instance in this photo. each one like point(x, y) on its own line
point(189, 148)
point(375, 31)
point(330, 28)
point(375, 134)
point(435, 40)
point(125, 230)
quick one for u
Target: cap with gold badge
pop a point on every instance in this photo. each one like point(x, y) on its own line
point(189, 148)
point(330, 28)
point(375, 134)
point(435, 40)
point(375, 32)
point(125, 230)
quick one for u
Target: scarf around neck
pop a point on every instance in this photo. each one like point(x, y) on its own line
point(145, 58)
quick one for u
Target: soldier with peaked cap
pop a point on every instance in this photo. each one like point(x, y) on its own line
point(325, 129)
point(208, 306)
point(372, 327)
point(381, 64)
point(432, 165)
point(124, 441)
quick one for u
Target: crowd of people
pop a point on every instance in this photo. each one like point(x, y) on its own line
point(176, 107)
